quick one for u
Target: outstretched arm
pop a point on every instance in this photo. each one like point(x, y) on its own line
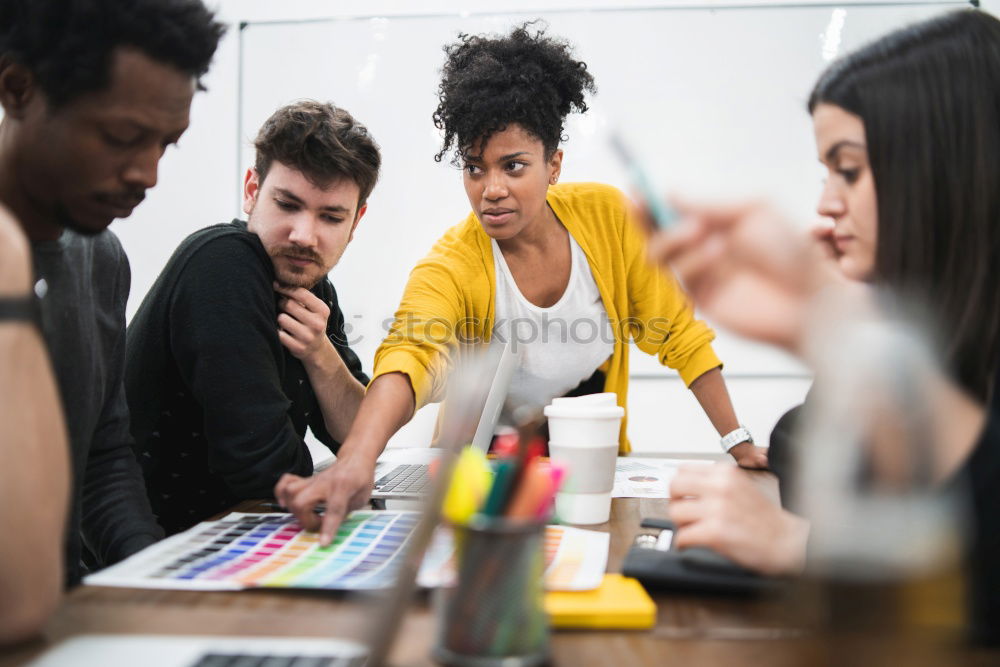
point(411, 369)
point(347, 484)
point(710, 390)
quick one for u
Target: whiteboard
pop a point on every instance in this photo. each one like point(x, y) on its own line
point(713, 98)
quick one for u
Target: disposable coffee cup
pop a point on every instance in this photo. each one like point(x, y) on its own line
point(583, 438)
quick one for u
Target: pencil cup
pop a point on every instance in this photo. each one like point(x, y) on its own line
point(494, 615)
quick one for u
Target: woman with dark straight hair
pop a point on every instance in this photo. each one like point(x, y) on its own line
point(908, 128)
point(929, 98)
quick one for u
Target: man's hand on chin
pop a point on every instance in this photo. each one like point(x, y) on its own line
point(302, 320)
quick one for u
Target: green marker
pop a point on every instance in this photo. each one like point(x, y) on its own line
point(496, 501)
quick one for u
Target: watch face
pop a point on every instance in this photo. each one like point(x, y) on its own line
point(735, 437)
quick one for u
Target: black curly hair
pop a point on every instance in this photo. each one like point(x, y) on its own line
point(525, 78)
point(68, 44)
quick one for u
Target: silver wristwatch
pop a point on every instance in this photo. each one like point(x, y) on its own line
point(735, 437)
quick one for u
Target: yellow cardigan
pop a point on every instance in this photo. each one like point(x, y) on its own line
point(448, 304)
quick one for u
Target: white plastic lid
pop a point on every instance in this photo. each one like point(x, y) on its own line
point(564, 411)
point(606, 398)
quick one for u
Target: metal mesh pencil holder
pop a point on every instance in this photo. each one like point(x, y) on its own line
point(494, 615)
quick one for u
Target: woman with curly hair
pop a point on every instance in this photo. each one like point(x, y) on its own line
point(560, 270)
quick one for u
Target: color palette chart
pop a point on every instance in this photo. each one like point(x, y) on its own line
point(270, 550)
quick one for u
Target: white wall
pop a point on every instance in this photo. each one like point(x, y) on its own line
point(719, 111)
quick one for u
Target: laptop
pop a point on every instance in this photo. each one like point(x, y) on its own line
point(411, 481)
point(202, 651)
point(468, 386)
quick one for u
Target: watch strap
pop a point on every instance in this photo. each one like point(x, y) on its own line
point(20, 309)
point(735, 437)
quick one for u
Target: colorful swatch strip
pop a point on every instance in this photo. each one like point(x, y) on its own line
point(270, 550)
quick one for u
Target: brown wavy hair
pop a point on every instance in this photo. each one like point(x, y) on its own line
point(322, 141)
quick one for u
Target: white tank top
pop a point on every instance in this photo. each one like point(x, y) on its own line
point(559, 346)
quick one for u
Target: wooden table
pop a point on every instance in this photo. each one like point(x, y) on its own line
point(690, 630)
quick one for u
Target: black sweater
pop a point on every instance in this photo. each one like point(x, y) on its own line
point(978, 480)
point(219, 406)
point(981, 477)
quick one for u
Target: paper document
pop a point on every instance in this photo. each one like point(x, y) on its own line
point(637, 477)
point(575, 559)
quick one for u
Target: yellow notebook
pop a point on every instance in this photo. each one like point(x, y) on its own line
point(620, 602)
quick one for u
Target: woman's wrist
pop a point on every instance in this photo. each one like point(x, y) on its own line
point(356, 451)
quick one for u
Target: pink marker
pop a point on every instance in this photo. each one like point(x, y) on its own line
point(557, 473)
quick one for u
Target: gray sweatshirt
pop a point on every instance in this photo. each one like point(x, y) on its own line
point(83, 320)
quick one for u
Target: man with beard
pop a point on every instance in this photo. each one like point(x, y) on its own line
point(240, 344)
point(93, 92)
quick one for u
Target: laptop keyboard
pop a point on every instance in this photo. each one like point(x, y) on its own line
point(248, 660)
point(407, 478)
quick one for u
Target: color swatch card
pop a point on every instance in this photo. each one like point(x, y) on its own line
point(646, 477)
point(269, 550)
point(575, 559)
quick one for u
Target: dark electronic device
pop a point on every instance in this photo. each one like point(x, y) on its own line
point(699, 570)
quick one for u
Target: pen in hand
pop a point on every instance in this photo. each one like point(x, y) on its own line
point(661, 213)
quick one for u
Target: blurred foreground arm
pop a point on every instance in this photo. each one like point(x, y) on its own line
point(34, 468)
point(720, 508)
point(749, 270)
point(755, 274)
